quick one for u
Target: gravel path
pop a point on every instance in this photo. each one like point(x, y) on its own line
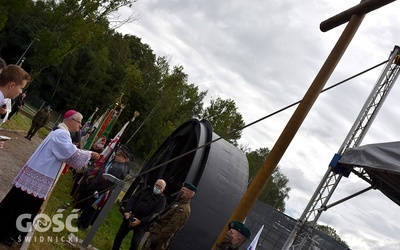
point(13, 156)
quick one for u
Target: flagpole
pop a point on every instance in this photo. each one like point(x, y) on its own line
point(118, 144)
point(105, 159)
point(113, 145)
point(135, 114)
point(104, 123)
point(293, 125)
point(90, 118)
point(94, 134)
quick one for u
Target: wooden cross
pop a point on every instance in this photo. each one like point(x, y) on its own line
point(354, 17)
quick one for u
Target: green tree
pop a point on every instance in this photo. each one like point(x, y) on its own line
point(331, 232)
point(276, 190)
point(80, 81)
point(225, 119)
point(18, 29)
point(59, 28)
point(78, 61)
point(165, 104)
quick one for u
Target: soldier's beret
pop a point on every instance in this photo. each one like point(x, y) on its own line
point(240, 227)
point(190, 186)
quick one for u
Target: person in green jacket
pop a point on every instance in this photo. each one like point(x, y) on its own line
point(38, 121)
point(235, 238)
point(171, 220)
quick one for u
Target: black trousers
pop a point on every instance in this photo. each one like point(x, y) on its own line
point(13, 111)
point(88, 214)
point(124, 229)
point(32, 131)
point(14, 204)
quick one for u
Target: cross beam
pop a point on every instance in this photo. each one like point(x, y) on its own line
point(360, 9)
point(264, 173)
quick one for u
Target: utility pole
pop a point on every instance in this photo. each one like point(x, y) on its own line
point(265, 172)
point(19, 60)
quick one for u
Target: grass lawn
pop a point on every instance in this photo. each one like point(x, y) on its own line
point(22, 122)
point(52, 240)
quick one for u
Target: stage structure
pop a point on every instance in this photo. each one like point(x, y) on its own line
point(378, 178)
point(380, 164)
point(277, 227)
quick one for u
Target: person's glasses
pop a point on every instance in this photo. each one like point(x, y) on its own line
point(77, 121)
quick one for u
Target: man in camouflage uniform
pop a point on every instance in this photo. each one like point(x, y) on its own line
point(38, 121)
point(171, 220)
point(235, 238)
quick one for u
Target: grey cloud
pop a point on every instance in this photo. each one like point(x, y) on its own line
point(264, 56)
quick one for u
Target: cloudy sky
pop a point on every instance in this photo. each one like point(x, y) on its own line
point(264, 56)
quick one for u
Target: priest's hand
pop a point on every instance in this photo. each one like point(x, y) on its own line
point(95, 156)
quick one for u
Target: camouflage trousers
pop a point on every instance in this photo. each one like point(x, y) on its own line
point(153, 242)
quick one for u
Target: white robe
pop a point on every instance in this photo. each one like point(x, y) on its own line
point(40, 171)
point(8, 103)
point(2, 99)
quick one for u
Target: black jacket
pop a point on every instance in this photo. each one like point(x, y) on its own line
point(144, 204)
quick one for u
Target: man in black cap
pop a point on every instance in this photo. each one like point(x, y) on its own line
point(171, 220)
point(99, 188)
point(237, 235)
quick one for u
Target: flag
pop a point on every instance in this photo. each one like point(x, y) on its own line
point(85, 130)
point(254, 243)
point(99, 127)
point(107, 152)
point(102, 139)
point(97, 123)
point(110, 148)
point(109, 119)
point(88, 124)
point(106, 132)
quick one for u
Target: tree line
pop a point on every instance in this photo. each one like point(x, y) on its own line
point(78, 60)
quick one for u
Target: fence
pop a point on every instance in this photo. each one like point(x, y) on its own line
point(33, 104)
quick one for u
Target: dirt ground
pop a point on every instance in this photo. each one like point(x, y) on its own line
point(13, 156)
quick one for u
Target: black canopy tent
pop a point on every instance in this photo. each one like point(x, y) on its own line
point(381, 164)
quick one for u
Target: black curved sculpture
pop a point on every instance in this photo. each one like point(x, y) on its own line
point(218, 169)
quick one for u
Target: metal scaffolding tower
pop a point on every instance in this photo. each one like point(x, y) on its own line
point(319, 201)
